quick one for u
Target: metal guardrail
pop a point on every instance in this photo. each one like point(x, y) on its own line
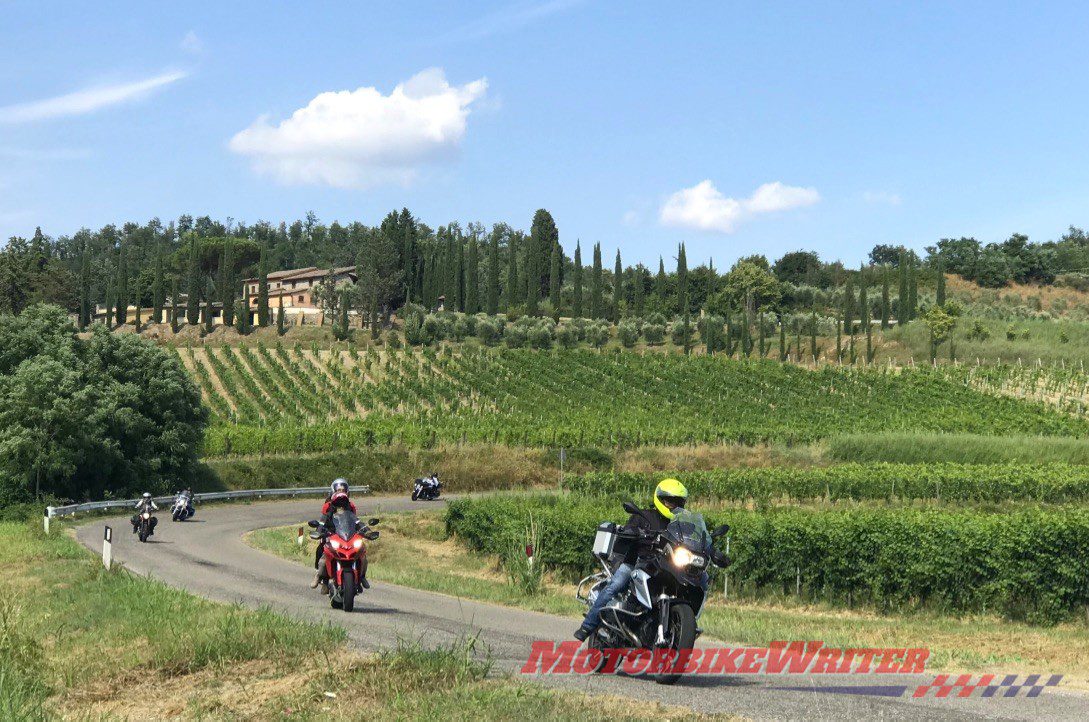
point(55, 511)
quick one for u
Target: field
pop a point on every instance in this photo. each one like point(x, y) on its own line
point(295, 400)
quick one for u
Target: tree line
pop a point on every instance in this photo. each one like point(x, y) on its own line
point(183, 264)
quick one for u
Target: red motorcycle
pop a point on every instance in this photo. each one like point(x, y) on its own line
point(345, 555)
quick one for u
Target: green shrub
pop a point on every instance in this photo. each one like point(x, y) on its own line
point(568, 335)
point(654, 333)
point(628, 332)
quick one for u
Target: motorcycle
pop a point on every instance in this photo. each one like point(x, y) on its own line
point(343, 552)
point(183, 507)
point(665, 596)
point(425, 490)
point(146, 525)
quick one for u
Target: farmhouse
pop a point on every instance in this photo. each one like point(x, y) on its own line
point(296, 288)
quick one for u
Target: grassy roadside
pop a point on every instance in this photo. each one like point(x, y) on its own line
point(77, 642)
point(413, 551)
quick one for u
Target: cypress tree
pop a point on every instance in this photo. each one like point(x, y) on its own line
point(472, 281)
point(85, 287)
point(175, 309)
point(596, 300)
point(158, 287)
point(902, 314)
point(618, 287)
point(913, 292)
point(459, 275)
point(729, 334)
point(884, 298)
point(849, 307)
point(746, 338)
point(782, 338)
point(226, 291)
point(137, 302)
point(813, 350)
point(493, 275)
point(408, 253)
point(637, 290)
point(208, 308)
point(864, 313)
point(661, 283)
point(839, 338)
point(940, 297)
point(280, 330)
point(760, 332)
point(554, 281)
point(122, 285)
point(110, 293)
point(577, 300)
point(682, 282)
point(513, 287)
point(262, 287)
point(532, 279)
point(192, 304)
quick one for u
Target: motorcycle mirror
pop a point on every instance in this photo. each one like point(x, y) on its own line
point(315, 535)
point(721, 531)
point(372, 535)
point(372, 521)
point(313, 523)
point(630, 507)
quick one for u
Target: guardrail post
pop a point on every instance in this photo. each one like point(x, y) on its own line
point(107, 547)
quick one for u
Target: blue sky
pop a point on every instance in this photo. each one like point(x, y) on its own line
point(735, 127)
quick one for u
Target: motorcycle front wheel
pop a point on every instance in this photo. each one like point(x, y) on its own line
point(415, 495)
point(682, 627)
point(348, 594)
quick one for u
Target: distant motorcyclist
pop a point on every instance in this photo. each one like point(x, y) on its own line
point(337, 499)
point(144, 504)
point(669, 495)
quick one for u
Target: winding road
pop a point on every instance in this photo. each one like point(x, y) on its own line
point(207, 556)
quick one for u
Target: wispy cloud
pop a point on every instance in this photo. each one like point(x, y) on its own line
point(703, 207)
point(882, 198)
point(508, 19)
point(191, 43)
point(87, 100)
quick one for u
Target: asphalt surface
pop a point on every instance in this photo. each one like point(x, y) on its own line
point(207, 556)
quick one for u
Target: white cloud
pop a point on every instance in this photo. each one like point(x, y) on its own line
point(87, 100)
point(361, 138)
point(703, 207)
point(509, 19)
point(882, 197)
point(191, 43)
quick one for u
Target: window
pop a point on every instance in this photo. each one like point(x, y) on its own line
point(300, 299)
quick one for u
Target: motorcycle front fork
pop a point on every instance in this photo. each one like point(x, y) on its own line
point(663, 619)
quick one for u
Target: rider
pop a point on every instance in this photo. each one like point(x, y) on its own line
point(337, 499)
point(144, 503)
point(433, 480)
point(668, 496)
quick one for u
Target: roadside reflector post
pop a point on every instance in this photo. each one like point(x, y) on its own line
point(107, 547)
point(45, 519)
point(300, 540)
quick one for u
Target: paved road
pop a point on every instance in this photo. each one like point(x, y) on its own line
point(207, 556)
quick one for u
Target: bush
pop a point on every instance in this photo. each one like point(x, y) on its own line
point(516, 335)
point(679, 331)
point(628, 332)
point(1027, 565)
point(540, 336)
point(568, 335)
point(490, 330)
point(978, 332)
point(394, 340)
point(597, 334)
point(654, 333)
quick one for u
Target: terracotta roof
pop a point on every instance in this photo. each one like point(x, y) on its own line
point(298, 274)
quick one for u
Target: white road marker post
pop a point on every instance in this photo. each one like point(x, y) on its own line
point(107, 547)
point(300, 540)
point(45, 519)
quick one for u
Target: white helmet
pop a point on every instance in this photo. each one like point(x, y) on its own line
point(339, 485)
point(147, 494)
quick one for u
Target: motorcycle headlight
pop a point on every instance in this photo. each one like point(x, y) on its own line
point(683, 557)
point(334, 543)
point(357, 543)
point(147, 515)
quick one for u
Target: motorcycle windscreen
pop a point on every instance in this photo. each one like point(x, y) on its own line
point(344, 523)
point(690, 530)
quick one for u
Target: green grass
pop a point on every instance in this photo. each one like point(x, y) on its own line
point(969, 643)
point(913, 448)
point(78, 641)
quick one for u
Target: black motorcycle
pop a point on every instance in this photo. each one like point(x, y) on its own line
point(425, 490)
point(145, 525)
point(663, 601)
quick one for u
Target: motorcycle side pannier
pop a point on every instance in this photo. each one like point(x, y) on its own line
point(605, 540)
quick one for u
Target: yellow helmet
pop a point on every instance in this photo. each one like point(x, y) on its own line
point(669, 495)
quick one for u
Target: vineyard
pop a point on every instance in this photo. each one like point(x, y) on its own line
point(282, 399)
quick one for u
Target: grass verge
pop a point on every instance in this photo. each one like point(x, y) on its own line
point(908, 448)
point(78, 642)
point(414, 551)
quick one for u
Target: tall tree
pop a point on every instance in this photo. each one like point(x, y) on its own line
point(472, 281)
point(459, 271)
point(262, 286)
point(864, 312)
point(531, 274)
point(122, 284)
point(492, 305)
point(175, 309)
point(885, 306)
point(913, 290)
point(242, 317)
point(940, 293)
point(637, 290)
point(85, 286)
point(903, 315)
point(618, 287)
point(596, 300)
point(849, 306)
point(682, 281)
point(226, 284)
point(208, 311)
point(543, 235)
point(158, 286)
point(576, 301)
point(137, 302)
point(280, 330)
point(661, 282)
point(193, 286)
point(554, 281)
point(407, 227)
point(514, 288)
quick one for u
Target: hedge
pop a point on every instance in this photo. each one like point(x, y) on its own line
point(1044, 483)
point(1028, 565)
